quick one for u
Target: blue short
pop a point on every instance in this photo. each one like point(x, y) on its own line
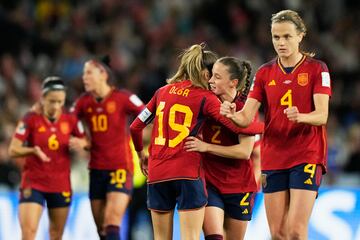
point(53, 200)
point(105, 181)
point(187, 194)
point(304, 176)
point(237, 206)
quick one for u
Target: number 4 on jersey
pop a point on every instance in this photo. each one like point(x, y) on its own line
point(286, 99)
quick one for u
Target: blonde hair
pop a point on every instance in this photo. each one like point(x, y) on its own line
point(193, 61)
point(293, 17)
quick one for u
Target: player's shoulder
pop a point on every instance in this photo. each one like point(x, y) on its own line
point(268, 65)
point(316, 62)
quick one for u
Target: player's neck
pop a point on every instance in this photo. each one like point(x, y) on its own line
point(103, 91)
point(53, 118)
point(229, 95)
point(291, 60)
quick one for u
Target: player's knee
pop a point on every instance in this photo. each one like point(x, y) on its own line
point(28, 233)
point(278, 234)
point(214, 237)
point(297, 232)
point(55, 234)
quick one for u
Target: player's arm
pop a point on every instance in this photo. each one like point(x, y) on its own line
point(239, 151)
point(17, 149)
point(317, 117)
point(245, 116)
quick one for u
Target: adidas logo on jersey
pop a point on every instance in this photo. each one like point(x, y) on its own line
point(245, 211)
point(308, 181)
point(272, 83)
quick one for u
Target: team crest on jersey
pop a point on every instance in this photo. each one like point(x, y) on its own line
point(26, 193)
point(111, 107)
point(303, 79)
point(64, 128)
point(263, 180)
point(41, 129)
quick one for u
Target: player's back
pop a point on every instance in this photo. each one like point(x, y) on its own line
point(179, 109)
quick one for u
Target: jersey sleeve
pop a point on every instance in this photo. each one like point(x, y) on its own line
point(140, 122)
point(257, 86)
point(78, 127)
point(76, 108)
point(23, 128)
point(211, 109)
point(322, 81)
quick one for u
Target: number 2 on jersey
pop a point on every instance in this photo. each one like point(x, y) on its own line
point(286, 99)
point(182, 129)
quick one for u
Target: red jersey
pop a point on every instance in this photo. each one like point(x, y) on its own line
point(228, 175)
point(107, 121)
point(178, 111)
point(285, 143)
point(53, 139)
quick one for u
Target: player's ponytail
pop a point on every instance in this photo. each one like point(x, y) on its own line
point(193, 61)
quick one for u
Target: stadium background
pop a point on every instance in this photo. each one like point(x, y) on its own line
point(43, 37)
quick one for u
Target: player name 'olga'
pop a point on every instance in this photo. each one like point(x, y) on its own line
point(179, 91)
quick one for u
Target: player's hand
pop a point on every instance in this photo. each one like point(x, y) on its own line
point(228, 109)
point(143, 160)
point(40, 154)
point(194, 144)
point(78, 144)
point(293, 114)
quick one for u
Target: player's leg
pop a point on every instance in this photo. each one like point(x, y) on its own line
point(30, 210)
point(191, 222)
point(161, 200)
point(305, 180)
point(275, 186)
point(97, 195)
point(116, 205)
point(238, 212)
point(162, 224)
point(214, 216)
point(191, 202)
point(58, 208)
point(119, 187)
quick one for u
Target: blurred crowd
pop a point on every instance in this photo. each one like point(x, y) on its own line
point(48, 37)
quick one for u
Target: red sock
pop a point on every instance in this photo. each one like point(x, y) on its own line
point(214, 237)
point(112, 232)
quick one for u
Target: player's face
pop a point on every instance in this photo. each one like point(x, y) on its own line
point(93, 77)
point(220, 82)
point(285, 38)
point(53, 101)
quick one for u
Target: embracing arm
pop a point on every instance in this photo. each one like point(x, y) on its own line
point(239, 151)
point(317, 117)
point(245, 116)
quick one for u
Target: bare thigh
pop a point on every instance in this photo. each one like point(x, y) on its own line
point(213, 221)
point(29, 217)
point(58, 217)
point(191, 222)
point(162, 225)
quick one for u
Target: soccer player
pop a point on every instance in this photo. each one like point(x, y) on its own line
point(43, 139)
point(295, 90)
point(105, 110)
point(229, 174)
point(176, 176)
